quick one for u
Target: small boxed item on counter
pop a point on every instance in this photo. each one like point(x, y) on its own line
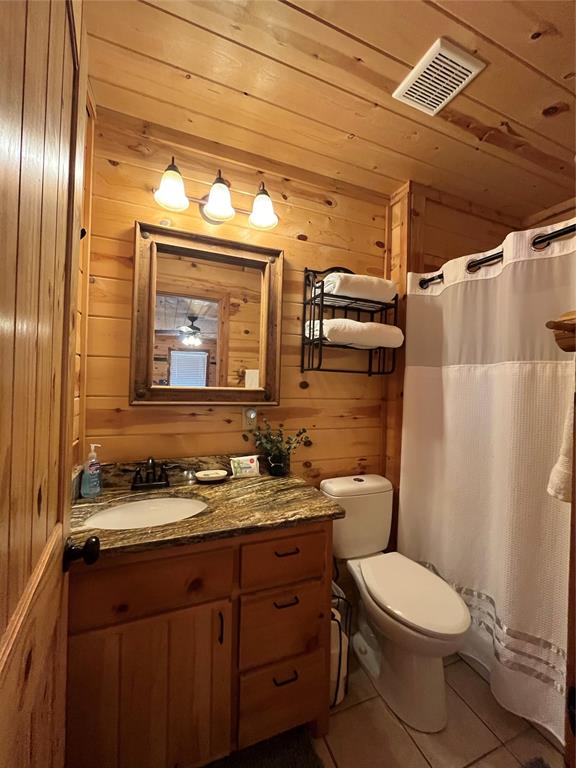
point(245, 466)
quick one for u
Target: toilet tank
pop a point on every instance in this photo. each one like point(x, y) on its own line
point(367, 501)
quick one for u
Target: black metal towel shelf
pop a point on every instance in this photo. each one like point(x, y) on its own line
point(319, 305)
point(539, 243)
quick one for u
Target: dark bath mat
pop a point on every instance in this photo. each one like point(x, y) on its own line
point(293, 749)
point(537, 762)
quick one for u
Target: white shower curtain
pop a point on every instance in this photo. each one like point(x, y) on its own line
point(485, 396)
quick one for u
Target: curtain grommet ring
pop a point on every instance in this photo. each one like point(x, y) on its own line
point(539, 246)
point(472, 267)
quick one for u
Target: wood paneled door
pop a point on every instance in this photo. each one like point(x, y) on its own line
point(41, 74)
point(152, 692)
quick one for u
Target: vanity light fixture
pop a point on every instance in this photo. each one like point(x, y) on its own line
point(219, 208)
point(216, 207)
point(171, 194)
point(263, 215)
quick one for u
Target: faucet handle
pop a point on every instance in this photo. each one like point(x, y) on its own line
point(137, 479)
point(150, 470)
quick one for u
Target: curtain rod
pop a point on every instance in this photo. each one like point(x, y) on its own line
point(538, 244)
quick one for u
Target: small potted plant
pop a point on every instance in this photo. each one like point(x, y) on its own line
point(277, 447)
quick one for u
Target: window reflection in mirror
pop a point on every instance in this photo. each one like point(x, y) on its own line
point(206, 323)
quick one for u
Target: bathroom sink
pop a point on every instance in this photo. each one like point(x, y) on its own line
point(145, 513)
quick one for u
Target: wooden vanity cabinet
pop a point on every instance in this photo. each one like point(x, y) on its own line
point(179, 656)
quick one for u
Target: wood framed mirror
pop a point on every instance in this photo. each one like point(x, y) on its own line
point(206, 325)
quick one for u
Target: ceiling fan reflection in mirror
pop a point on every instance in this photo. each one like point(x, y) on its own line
point(190, 335)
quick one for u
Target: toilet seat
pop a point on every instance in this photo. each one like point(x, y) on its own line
point(414, 595)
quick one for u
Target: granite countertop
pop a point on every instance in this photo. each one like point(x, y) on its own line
point(235, 507)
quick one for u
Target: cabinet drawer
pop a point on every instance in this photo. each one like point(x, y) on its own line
point(281, 696)
point(281, 623)
point(281, 561)
point(107, 596)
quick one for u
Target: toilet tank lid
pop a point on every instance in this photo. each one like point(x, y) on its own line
point(355, 485)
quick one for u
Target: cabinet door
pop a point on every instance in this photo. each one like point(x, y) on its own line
point(152, 693)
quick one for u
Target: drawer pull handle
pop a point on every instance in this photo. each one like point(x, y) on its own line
point(280, 683)
point(295, 551)
point(290, 604)
point(221, 632)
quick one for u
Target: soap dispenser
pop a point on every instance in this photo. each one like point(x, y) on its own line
point(91, 484)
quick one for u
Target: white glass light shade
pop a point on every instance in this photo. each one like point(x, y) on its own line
point(263, 216)
point(192, 341)
point(171, 194)
point(219, 204)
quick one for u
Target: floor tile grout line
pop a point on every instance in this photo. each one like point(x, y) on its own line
point(478, 715)
point(528, 723)
point(413, 740)
point(512, 755)
point(337, 712)
point(481, 757)
point(403, 726)
point(548, 741)
point(330, 751)
point(392, 713)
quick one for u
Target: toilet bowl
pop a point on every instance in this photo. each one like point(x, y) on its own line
point(409, 618)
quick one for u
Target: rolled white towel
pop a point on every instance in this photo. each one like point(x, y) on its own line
point(360, 286)
point(352, 333)
point(560, 481)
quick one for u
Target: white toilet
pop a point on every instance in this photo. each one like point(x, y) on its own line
point(409, 618)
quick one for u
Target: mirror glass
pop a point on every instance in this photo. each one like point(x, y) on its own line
point(207, 318)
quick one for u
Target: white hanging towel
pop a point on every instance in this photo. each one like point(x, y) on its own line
point(352, 333)
point(360, 286)
point(560, 482)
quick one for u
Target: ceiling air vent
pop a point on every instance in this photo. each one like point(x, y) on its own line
point(439, 75)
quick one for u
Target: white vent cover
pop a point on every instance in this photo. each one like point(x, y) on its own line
point(440, 74)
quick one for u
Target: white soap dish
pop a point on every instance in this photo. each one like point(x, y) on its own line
point(211, 475)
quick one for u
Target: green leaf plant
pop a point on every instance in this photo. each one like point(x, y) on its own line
point(274, 442)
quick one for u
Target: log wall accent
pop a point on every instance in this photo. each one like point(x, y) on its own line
point(319, 227)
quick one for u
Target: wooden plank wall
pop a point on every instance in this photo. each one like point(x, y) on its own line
point(318, 227)
point(557, 213)
point(444, 227)
point(79, 414)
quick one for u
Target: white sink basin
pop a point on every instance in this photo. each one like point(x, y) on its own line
point(146, 513)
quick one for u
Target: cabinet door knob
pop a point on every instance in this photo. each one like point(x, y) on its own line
point(89, 552)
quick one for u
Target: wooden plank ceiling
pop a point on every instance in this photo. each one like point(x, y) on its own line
point(307, 84)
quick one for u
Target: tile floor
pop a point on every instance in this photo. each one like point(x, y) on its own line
point(365, 733)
